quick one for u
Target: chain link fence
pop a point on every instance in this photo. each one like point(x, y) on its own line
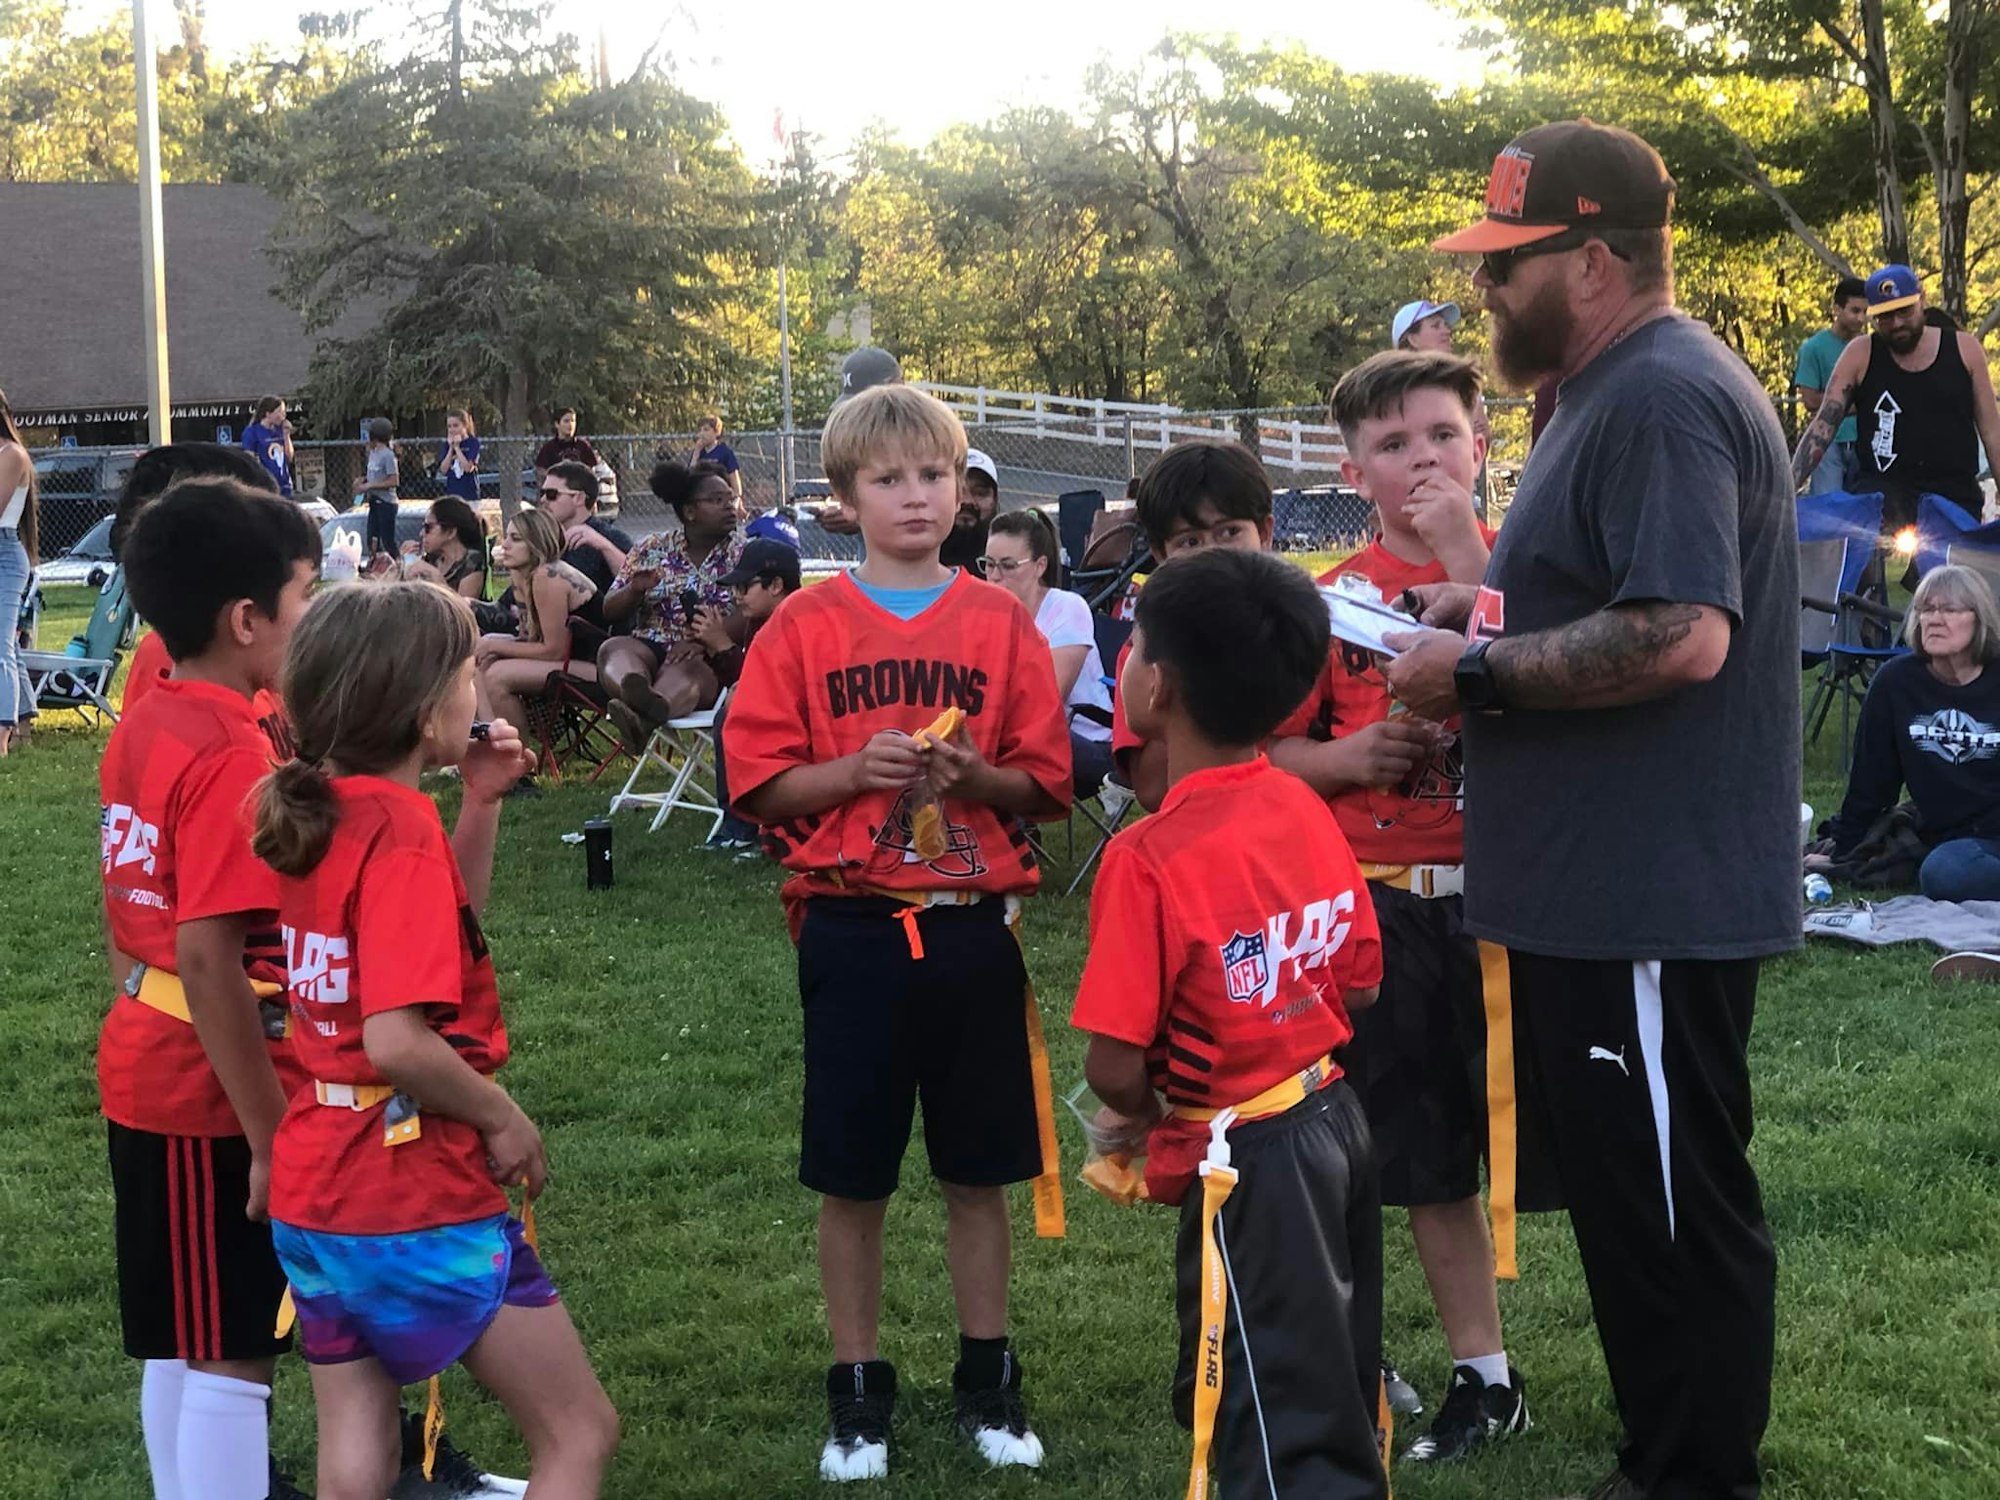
point(1041, 456)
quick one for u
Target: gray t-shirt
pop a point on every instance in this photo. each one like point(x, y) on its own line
point(1666, 829)
point(382, 465)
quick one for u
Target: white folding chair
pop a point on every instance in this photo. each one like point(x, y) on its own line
point(684, 751)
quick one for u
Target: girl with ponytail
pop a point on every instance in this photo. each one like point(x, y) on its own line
point(390, 1175)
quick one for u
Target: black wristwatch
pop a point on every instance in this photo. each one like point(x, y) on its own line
point(1473, 678)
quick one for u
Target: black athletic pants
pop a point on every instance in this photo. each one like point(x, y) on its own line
point(1302, 1342)
point(1647, 1086)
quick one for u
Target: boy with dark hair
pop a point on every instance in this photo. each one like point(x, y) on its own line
point(1204, 493)
point(903, 828)
point(1229, 938)
point(1419, 1060)
point(378, 486)
point(188, 1065)
point(765, 576)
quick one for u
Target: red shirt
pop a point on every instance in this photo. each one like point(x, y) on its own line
point(1122, 737)
point(832, 669)
point(381, 923)
point(1225, 932)
point(1423, 820)
point(151, 666)
point(176, 785)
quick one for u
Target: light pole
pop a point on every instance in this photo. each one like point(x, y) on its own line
point(152, 250)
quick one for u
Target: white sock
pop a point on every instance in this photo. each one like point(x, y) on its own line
point(1491, 1368)
point(160, 1419)
point(225, 1438)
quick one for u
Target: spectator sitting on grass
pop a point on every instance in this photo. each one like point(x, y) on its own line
point(452, 550)
point(1926, 726)
point(1021, 553)
point(513, 667)
point(660, 670)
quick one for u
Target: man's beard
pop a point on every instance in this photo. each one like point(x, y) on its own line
point(1531, 345)
point(1903, 340)
point(970, 517)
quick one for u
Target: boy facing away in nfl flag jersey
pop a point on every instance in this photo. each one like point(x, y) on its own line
point(892, 729)
point(1230, 934)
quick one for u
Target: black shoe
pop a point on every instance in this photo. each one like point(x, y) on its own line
point(995, 1418)
point(860, 1400)
point(453, 1477)
point(283, 1486)
point(1473, 1413)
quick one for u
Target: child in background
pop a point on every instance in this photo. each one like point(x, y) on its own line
point(391, 1218)
point(1201, 493)
point(378, 488)
point(765, 576)
point(188, 1070)
point(907, 854)
point(457, 466)
point(1394, 782)
point(1229, 937)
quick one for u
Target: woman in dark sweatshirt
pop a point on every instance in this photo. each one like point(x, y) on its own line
point(1931, 723)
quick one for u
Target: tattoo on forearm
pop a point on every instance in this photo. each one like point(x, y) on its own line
point(1818, 436)
point(1604, 659)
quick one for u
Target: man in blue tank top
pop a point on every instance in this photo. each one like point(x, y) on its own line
point(1919, 390)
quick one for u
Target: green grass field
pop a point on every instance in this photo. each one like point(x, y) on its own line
point(656, 1044)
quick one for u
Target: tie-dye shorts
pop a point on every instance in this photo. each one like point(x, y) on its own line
point(415, 1302)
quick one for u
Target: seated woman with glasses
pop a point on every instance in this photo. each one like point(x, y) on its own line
point(451, 550)
point(1931, 725)
point(1021, 556)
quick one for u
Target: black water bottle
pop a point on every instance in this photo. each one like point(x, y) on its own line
point(597, 854)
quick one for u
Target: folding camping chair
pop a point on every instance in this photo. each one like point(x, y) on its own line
point(79, 679)
point(1114, 799)
point(1076, 510)
point(684, 751)
point(568, 721)
point(1983, 560)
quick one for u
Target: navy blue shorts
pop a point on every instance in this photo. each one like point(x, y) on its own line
point(885, 1032)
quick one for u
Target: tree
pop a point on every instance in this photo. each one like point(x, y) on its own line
point(520, 239)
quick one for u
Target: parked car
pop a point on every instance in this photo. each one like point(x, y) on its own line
point(93, 551)
point(79, 487)
point(409, 522)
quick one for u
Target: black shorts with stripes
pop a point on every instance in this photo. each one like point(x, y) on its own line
point(1418, 1062)
point(197, 1278)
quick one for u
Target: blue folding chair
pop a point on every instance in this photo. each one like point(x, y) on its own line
point(79, 679)
point(1076, 510)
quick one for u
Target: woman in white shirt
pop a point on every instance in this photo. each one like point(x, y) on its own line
point(1021, 553)
point(20, 518)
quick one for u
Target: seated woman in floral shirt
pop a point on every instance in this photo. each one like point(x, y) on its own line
point(661, 671)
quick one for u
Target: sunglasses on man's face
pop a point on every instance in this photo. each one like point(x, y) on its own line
point(1499, 264)
point(554, 494)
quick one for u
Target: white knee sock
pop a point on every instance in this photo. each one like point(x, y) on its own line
point(225, 1438)
point(160, 1419)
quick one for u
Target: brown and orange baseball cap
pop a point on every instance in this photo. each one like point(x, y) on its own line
point(1573, 174)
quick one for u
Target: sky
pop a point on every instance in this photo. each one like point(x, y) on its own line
point(833, 66)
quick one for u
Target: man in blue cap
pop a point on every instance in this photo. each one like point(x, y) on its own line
point(1922, 399)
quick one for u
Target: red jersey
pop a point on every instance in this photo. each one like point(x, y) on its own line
point(176, 784)
point(151, 666)
point(381, 923)
point(1225, 933)
point(832, 669)
point(1423, 820)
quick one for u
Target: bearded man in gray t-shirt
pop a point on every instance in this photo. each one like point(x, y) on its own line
point(1631, 737)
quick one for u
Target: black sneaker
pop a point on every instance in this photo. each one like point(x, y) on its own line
point(995, 1418)
point(1473, 1413)
point(860, 1400)
point(453, 1477)
point(1402, 1396)
point(283, 1486)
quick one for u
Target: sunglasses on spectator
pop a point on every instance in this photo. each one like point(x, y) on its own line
point(552, 493)
point(1499, 264)
point(988, 566)
point(430, 525)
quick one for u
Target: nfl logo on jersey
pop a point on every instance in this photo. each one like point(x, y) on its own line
point(1245, 970)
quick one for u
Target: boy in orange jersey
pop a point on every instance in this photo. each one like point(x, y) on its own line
point(1418, 1060)
point(188, 1070)
point(908, 853)
point(1230, 935)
